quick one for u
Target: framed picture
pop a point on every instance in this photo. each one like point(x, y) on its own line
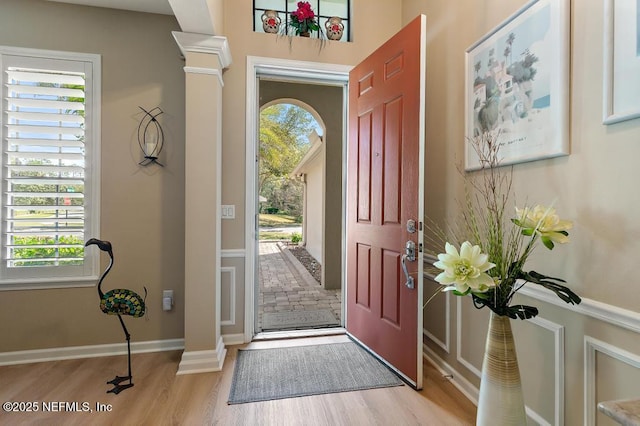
point(517, 82)
point(621, 60)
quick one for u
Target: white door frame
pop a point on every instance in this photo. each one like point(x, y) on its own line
point(299, 71)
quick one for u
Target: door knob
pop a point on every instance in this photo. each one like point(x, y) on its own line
point(410, 250)
point(410, 281)
point(408, 256)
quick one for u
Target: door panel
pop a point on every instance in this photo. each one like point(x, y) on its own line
point(363, 279)
point(392, 171)
point(364, 168)
point(391, 286)
point(384, 183)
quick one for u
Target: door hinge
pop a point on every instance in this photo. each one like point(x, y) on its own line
point(420, 248)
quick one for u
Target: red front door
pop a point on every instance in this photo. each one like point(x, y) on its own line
point(384, 181)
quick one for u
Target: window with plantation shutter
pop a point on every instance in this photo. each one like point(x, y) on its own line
point(50, 167)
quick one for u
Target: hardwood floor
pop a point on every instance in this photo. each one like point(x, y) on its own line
point(159, 397)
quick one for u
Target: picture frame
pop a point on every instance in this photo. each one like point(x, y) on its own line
point(621, 60)
point(517, 84)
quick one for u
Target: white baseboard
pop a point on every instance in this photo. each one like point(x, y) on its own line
point(112, 349)
point(91, 351)
point(203, 361)
point(462, 384)
point(233, 339)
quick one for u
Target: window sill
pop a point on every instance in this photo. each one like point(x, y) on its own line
point(51, 283)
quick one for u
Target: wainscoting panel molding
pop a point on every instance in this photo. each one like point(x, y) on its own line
point(610, 314)
point(475, 370)
point(447, 319)
point(591, 347)
point(231, 291)
point(238, 253)
point(558, 337)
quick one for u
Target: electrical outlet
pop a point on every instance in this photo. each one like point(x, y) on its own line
point(167, 300)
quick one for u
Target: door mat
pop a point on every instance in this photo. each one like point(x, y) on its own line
point(266, 374)
point(298, 319)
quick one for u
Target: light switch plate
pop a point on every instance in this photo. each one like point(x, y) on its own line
point(228, 211)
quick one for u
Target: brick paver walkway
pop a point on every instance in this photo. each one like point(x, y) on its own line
point(286, 286)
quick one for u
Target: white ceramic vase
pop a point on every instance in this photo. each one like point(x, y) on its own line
point(270, 21)
point(334, 28)
point(500, 402)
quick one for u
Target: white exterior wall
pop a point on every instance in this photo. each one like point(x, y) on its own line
point(314, 207)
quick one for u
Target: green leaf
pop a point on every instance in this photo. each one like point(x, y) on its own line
point(563, 292)
point(457, 293)
point(547, 242)
point(514, 312)
point(527, 232)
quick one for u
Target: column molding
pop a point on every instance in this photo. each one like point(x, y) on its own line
point(208, 71)
point(204, 43)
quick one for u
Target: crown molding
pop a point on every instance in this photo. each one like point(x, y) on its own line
point(204, 43)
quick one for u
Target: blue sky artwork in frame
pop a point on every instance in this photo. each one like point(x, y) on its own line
point(517, 84)
point(513, 75)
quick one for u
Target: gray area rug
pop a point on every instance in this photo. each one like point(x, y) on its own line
point(266, 374)
point(298, 319)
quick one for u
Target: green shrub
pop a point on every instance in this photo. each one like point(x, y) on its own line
point(296, 237)
point(31, 255)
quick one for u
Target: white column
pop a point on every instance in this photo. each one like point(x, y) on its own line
point(205, 58)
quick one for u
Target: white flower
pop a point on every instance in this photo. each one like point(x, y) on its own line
point(465, 270)
point(545, 222)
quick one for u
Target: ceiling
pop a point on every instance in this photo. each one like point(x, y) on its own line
point(150, 6)
point(193, 16)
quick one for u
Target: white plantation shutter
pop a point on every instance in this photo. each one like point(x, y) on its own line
point(49, 167)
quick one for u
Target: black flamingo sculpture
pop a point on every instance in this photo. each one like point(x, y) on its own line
point(119, 302)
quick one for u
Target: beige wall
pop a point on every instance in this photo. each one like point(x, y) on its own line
point(244, 42)
point(142, 208)
point(595, 187)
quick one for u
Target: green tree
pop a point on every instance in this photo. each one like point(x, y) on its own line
point(283, 143)
point(477, 67)
point(523, 70)
point(509, 49)
point(284, 194)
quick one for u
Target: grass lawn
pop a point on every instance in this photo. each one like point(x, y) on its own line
point(277, 220)
point(268, 235)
